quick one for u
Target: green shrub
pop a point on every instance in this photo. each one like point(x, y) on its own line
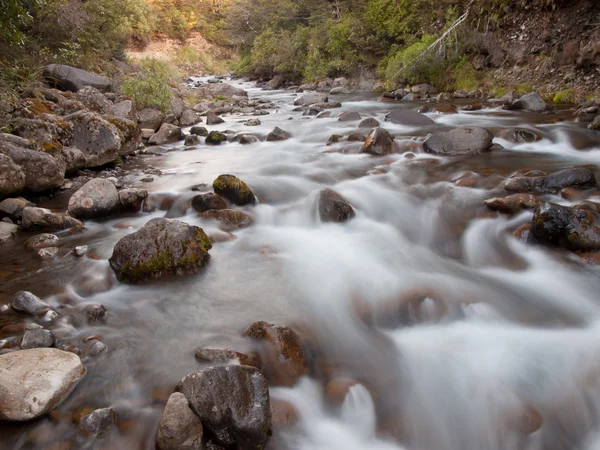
point(151, 86)
point(563, 97)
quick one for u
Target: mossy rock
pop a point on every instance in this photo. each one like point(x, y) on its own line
point(215, 138)
point(161, 247)
point(234, 190)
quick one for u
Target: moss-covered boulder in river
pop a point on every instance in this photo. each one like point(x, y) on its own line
point(234, 190)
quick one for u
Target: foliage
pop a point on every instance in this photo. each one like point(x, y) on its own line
point(562, 97)
point(151, 86)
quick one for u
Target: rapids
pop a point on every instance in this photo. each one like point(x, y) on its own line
point(505, 325)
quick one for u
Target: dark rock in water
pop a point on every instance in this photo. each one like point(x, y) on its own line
point(96, 313)
point(167, 134)
point(215, 138)
point(199, 131)
point(408, 118)
point(219, 355)
point(37, 338)
point(349, 116)
point(246, 139)
point(566, 227)
point(13, 208)
point(277, 135)
point(369, 123)
point(205, 202)
point(519, 135)
point(161, 247)
point(595, 125)
point(67, 78)
point(213, 119)
point(230, 219)
point(95, 347)
point(151, 119)
point(252, 123)
point(97, 198)
point(233, 189)
point(98, 421)
point(410, 97)
point(282, 355)
point(334, 139)
point(460, 141)
point(41, 219)
point(579, 177)
point(131, 199)
point(529, 102)
point(312, 111)
point(29, 303)
point(26, 390)
point(232, 403)
point(179, 427)
point(41, 241)
point(332, 207)
point(513, 203)
point(379, 143)
point(191, 140)
point(357, 136)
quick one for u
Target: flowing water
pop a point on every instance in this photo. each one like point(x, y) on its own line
point(454, 326)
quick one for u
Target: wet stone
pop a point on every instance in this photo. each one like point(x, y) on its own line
point(37, 338)
point(233, 189)
point(99, 421)
point(208, 201)
point(179, 427)
point(579, 177)
point(218, 355)
point(96, 313)
point(277, 135)
point(48, 252)
point(333, 207)
point(29, 303)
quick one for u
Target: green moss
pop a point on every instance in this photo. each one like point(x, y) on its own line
point(215, 138)
point(231, 183)
point(163, 262)
point(562, 97)
point(203, 240)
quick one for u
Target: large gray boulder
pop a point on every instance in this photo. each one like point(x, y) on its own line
point(94, 100)
point(12, 177)
point(98, 139)
point(126, 110)
point(131, 199)
point(129, 132)
point(189, 118)
point(408, 118)
point(529, 102)
point(67, 78)
point(41, 219)
point(34, 382)
point(97, 198)
point(41, 170)
point(211, 91)
point(232, 403)
point(460, 141)
point(179, 427)
point(161, 247)
point(166, 135)
point(577, 177)
point(151, 118)
point(310, 99)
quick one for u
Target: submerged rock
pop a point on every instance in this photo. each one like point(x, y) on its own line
point(205, 202)
point(333, 207)
point(97, 198)
point(277, 135)
point(179, 427)
point(41, 219)
point(232, 403)
point(98, 421)
point(161, 247)
point(230, 219)
point(199, 131)
point(460, 141)
point(234, 190)
point(579, 177)
point(34, 382)
point(215, 138)
point(513, 203)
point(529, 102)
point(408, 118)
point(41, 241)
point(379, 143)
point(519, 135)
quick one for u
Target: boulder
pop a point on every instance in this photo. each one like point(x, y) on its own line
point(408, 118)
point(246, 139)
point(12, 177)
point(13, 207)
point(340, 82)
point(161, 247)
point(220, 355)
point(529, 102)
point(129, 132)
point(220, 90)
point(578, 177)
point(179, 427)
point(379, 143)
point(332, 207)
point(410, 97)
point(252, 123)
point(98, 139)
point(208, 201)
point(519, 135)
point(215, 138)
point(339, 90)
point(213, 119)
point(571, 228)
point(151, 118)
point(7, 231)
point(176, 106)
point(460, 141)
point(349, 116)
point(125, 109)
point(445, 97)
point(47, 132)
point(356, 136)
point(423, 89)
point(189, 118)
point(277, 135)
point(29, 303)
point(98, 421)
point(34, 382)
point(310, 99)
point(233, 189)
point(513, 203)
point(199, 131)
point(229, 219)
point(369, 123)
point(48, 252)
point(94, 100)
point(37, 338)
point(167, 134)
point(282, 356)
point(41, 219)
point(232, 403)
point(97, 198)
point(43, 240)
point(191, 140)
point(37, 169)
point(67, 78)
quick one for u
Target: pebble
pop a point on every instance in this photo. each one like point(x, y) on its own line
point(27, 302)
point(37, 338)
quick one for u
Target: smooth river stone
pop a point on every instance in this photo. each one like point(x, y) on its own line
point(34, 382)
